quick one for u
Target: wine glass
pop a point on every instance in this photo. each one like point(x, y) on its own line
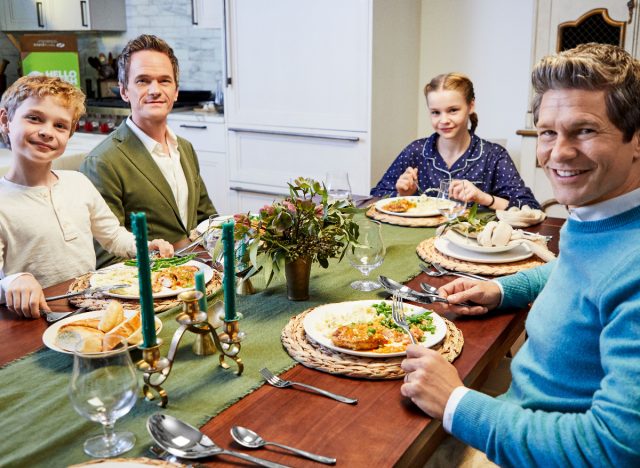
point(448, 206)
point(103, 388)
point(212, 236)
point(367, 254)
point(338, 186)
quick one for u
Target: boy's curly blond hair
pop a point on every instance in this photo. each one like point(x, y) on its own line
point(41, 86)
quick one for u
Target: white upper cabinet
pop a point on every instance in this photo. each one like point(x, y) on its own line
point(23, 15)
point(207, 13)
point(299, 63)
point(63, 15)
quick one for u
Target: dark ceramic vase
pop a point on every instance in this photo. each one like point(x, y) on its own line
point(297, 274)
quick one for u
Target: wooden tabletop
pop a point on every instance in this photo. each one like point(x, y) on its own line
point(383, 429)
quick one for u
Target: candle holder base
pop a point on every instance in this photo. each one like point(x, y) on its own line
point(156, 369)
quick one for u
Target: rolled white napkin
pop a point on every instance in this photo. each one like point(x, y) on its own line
point(524, 217)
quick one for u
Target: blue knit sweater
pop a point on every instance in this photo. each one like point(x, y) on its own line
point(574, 399)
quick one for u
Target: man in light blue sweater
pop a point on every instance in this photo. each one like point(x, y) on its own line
point(574, 399)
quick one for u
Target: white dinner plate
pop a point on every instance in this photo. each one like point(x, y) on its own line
point(447, 247)
point(123, 274)
point(469, 243)
point(219, 220)
point(50, 334)
point(425, 206)
point(323, 320)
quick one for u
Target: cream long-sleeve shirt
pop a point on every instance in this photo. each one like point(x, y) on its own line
point(49, 231)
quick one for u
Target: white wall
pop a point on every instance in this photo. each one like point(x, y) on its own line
point(490, 41)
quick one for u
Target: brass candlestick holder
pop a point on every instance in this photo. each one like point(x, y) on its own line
point(156, 368)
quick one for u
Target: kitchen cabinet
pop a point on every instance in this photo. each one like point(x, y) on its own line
point(207, 13)
point(208, 136)
point(318, 86)
point(63, 15)
point(550, 15)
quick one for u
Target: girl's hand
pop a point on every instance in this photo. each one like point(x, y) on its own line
point(407, 183)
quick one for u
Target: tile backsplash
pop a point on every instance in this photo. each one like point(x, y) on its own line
point(199, 51)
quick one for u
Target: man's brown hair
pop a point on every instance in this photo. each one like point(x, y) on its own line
point(144, 42)
point(594, 67)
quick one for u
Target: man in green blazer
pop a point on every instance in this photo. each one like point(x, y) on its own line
point(143, 165)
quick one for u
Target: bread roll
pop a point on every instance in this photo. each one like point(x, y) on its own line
point(111, 317)
point(79, 338)
point(128, 327)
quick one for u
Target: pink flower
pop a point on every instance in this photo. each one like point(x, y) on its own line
point(267, 210)
point(289, 206)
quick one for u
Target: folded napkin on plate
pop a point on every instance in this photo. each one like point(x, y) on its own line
point(521, 217)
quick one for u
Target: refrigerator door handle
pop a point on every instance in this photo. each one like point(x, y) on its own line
point(321, 136)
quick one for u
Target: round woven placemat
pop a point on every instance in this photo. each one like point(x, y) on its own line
point(427, 251)
point(430, 221)
point(99, 301)
point(315, 356)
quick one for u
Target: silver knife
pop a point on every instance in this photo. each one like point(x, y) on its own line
point(86, 291)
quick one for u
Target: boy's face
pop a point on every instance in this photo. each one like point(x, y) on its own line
point(39, 130)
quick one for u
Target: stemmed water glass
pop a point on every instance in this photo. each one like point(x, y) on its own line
point(212, 236)
point(448, 206)
point(338, 186)
point(367, 254)
point(103, 388)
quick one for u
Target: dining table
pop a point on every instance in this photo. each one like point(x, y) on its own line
point(383, 429)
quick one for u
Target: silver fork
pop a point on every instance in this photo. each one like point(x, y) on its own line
point(441, 271)
point(276, 381)
point(397, 313)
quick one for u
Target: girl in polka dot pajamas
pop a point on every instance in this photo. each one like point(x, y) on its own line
point(480, 171)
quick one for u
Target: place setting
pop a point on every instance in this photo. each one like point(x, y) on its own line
point(418, 210)
point(361, 339)
point(485, 246)
point(170, 277)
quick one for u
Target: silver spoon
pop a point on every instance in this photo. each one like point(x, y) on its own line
point(185, 441)
point(248, 438)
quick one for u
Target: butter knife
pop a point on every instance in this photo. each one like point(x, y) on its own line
point(86, 291)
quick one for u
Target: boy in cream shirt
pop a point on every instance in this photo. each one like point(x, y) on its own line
point(48, 219)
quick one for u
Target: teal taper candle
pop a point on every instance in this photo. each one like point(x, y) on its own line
point(139, 227)
point(202, 303)
point(229, 271)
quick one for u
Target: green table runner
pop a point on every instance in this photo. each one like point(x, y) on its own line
point(43, 429)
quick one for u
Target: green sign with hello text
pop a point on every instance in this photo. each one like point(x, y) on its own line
point(64, 65)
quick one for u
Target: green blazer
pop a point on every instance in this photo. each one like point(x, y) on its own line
point(130, 181)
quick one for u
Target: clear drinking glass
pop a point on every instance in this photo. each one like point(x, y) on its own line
point(338, 186)
point(104, 388)
point(448, 206)
point(367, 254)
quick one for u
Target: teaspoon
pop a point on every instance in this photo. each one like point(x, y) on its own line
point(248, 438)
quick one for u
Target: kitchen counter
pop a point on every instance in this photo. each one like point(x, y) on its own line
point(77, 148)
point(195, 116)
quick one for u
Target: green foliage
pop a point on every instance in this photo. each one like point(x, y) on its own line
point(304, 225)
point(471, 223)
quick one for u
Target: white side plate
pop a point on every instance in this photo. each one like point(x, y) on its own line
point(448, 248)
point(50, 334)
point(469, 243)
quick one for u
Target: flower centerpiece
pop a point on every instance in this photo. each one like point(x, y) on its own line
point(291, 234)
